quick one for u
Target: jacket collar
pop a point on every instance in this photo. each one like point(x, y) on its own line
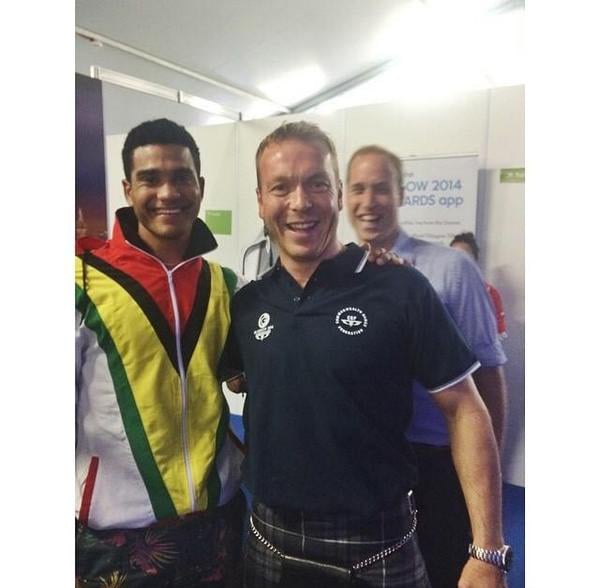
point(126, 230)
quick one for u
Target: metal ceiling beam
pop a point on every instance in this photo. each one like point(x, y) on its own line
point(338, 89)
point(139, 85)
point(95, 37)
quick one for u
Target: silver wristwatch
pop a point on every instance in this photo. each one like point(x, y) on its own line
point(501, 558)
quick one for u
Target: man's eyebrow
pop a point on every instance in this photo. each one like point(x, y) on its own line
point(151, 172)
point(184, 171)
point(146, 173)
point(319, 175)
point(276, 180)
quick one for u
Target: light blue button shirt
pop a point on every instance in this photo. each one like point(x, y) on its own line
point(460, 286)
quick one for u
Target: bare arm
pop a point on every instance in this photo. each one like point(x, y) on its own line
point(475, 457)
point(491, 385)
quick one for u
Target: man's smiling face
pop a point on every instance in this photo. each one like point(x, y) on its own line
point(165, 193)
point(299, 200)
point(373, 196)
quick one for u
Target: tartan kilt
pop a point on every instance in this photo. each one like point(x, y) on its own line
point(340, 540)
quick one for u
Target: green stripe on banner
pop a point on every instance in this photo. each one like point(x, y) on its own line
point(213, 484)
point(162, 504)
point(512, 175)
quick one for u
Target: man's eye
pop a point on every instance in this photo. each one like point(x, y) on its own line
point(184, 178)
point(278, 189)
point(147, 180)
point(320, 185)
point(383, 189)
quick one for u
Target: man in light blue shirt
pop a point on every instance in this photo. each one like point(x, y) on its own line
point(373, 194)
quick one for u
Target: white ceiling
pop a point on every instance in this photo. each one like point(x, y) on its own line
point(290, 52)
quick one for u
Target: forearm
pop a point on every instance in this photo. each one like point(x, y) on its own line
point(491, 385)
point(477, 464)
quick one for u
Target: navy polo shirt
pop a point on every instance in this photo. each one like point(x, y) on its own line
point(329, 370)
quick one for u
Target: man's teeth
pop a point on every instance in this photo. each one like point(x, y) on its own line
point(369, 218)
point(168, 211)
point(302, 226)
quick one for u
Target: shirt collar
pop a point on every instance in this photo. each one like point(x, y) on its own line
point(402, 239)
point(351, 259)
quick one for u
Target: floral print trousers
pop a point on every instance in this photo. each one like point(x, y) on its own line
point(202, 549)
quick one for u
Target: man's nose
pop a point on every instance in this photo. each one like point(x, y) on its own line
point(300, 198)
point(167, 189)
point(368, 198)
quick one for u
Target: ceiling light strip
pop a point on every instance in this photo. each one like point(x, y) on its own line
point(91, 36)
point(139, 85)
point(338, 89)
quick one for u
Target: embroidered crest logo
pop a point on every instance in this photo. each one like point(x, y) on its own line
point(264, 328)
point(351, 321)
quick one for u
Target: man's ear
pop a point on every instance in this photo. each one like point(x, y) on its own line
point(259, 200)
point(401, 196)
point(201, 184)
point(126, 190)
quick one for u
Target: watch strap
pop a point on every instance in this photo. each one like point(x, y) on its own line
point(495, 557)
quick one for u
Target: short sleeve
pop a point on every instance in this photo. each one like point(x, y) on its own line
point(471, 308)
point(440, 357)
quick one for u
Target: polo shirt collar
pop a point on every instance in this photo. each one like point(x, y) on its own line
point(352, 259)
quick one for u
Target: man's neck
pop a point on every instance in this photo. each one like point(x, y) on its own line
point(302, 270)
point(170, 254)
point(169, 251)
point(388, 242)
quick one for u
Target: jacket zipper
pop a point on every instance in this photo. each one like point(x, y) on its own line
point(183, 379)
point(181, 370)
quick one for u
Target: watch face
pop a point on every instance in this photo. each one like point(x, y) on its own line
point(508, 557)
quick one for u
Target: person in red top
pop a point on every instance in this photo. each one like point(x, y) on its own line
point(466, 242)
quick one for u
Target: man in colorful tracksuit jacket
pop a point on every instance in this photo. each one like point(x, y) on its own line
point(157, 468)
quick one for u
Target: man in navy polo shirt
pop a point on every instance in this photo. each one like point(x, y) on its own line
point(330, 346)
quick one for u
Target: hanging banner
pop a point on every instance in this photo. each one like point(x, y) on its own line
point(90, 181)
point(440, 197)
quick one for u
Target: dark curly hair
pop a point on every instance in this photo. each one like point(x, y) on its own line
point(161, 131)
point(468, 239)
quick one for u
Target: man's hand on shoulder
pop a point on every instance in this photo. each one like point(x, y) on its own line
point(478, 574)
point(381, 256)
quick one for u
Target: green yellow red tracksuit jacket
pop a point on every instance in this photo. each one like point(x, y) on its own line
point(153, 439)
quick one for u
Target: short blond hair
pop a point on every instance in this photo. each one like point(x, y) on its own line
point(392, 158)
point(301, 131)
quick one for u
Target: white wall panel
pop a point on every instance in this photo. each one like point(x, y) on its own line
point(502, 236)
point(114, 177)
point(218, 162)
